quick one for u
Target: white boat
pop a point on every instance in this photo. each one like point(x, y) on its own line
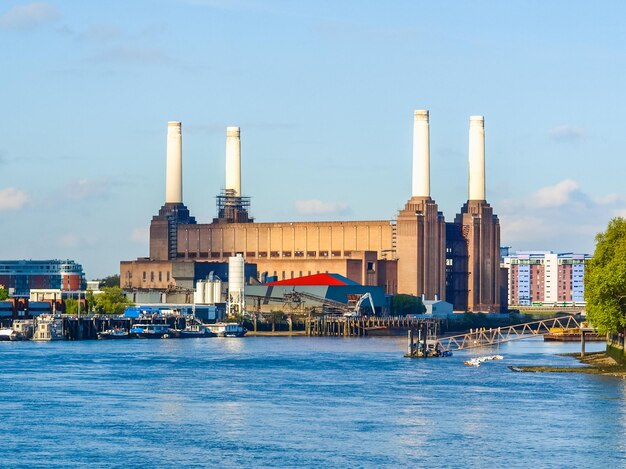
point(227, 329)
point(476, 361)
point(10, 335)
point(114, 334)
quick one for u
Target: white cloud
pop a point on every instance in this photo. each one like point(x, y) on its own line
point(560, 217)
point(12, 199)
point(140, 235)
point(556, 195)
point(318, 207)
point(567, 133)
point(29, 16)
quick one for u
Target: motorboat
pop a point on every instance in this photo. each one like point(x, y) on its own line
point(476, 361)
point(193, 331)
point(151, 331)
point(114, 334)
point(11, 335)
point(227, 329)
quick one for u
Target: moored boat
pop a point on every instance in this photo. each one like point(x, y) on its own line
point(227, 329)
point(193, 331)
point(151, 331)
point(11, 335)
point(48, 327)
point(572, 334)
point(114, 334)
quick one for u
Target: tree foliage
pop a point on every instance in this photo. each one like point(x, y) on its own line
point(4, 293)
point(110, 281)
point(401, 305)
point(111, 301)
point(71, 306)
point(605, 279)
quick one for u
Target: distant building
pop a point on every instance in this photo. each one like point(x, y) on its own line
point(23, 275)
point(545, 278)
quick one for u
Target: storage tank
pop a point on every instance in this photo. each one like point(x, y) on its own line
point(217, 290)
point(199, 295)
point(236, 281)
point(209, 294)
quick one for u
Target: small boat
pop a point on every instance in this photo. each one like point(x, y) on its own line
point(476, 361)
point(11, 335)
point(193, 331)
point(573, 334)
point(151, 331)
point(114, 334)
point(227, 329)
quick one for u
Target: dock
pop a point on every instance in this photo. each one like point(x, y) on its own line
point(340, 326)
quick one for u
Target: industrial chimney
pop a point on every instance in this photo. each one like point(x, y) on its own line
point(174, 165)
point(233, 161)
point(477, 158)
point(421, 154)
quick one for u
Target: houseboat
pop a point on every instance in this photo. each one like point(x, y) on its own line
point(227, 329)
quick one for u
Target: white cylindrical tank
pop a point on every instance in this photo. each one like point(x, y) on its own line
point(200, 292)
point(236, 279)
point(217, 291)
point(233, 160)
point(477, 158)
point(210, 293)
point(421, 154)
point(174, 164)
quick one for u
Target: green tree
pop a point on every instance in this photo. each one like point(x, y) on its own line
point(90, 300)
point(110, 281)
point(111, 301)
point(4, 293)
point(605, 279)
point(71, 306)
point(401, 305)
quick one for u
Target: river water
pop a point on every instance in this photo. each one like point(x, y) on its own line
point(301, 402)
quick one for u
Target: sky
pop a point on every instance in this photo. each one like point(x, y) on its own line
point(324, 93)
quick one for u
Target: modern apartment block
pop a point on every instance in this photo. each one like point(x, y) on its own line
point(20, 276)
point(545, 278)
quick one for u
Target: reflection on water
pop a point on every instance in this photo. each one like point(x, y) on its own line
point(262, 401)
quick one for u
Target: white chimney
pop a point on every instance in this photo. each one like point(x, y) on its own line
point(174, 165)
point(233, 160)
point(421, 155)
point(477, 158)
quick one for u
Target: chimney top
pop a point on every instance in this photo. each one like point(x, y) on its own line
point(420, 115)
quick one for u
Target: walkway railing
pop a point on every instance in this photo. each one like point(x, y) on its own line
point(483, 337)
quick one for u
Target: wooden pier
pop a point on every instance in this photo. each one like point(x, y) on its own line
point(340, 326)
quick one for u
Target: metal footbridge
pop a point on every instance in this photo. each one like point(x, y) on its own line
point(484, 337)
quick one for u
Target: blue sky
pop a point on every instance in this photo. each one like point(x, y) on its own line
point(324, 94)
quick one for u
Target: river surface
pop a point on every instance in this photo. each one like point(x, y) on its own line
point(301, 402)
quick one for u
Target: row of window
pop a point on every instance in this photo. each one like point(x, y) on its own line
point(262, 254)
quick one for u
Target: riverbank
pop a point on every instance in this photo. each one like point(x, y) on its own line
point(276, 333)
point(597, 363)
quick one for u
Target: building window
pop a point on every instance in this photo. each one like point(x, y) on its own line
point(160, 276)
point(152, 276)
point(144, 275)
point(168, 276)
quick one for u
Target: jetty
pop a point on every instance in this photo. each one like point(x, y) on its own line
point(333, 325)
point(484, 337)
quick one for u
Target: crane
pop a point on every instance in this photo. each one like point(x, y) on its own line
point(357, 309)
